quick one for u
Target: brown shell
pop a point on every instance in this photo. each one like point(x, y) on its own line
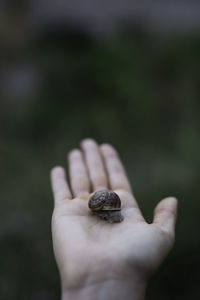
point(104, 200)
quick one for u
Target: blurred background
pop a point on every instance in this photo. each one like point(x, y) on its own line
point(123, 72)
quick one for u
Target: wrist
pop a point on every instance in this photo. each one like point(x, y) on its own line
point(109, 289)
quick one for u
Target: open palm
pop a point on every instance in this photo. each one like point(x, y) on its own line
point(89, 249)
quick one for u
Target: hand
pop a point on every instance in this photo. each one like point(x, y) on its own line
point(96, 259)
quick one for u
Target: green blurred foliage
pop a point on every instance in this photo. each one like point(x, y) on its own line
point(137, 91)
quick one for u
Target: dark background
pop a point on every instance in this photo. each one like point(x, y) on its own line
point(133, 83)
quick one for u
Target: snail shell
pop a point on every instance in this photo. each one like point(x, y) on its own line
point(104, 200)
point(107, 205)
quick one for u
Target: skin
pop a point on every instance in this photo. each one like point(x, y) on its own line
point(97, 259)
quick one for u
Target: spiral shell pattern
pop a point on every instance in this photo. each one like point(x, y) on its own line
point(104, 200)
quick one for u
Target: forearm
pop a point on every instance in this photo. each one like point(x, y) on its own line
point(109, 290)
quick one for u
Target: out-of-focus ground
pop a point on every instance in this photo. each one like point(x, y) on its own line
point(137, 89)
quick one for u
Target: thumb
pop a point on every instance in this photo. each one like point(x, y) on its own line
point(165, 215)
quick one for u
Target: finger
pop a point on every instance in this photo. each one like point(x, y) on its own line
point(116, 173)
point(165, 214)
point(78, 174)
point(95, 164)
point(59, 185)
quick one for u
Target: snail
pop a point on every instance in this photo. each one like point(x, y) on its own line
point(107, 205)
